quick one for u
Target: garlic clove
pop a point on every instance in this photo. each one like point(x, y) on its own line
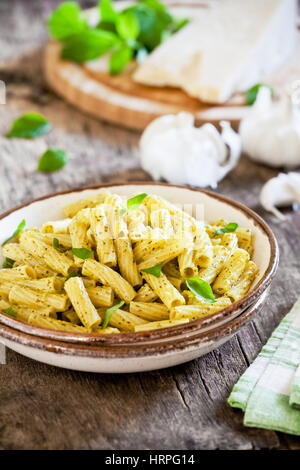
point(172, 148)
point(283, 190)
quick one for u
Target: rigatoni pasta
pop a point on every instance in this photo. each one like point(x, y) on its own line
point(114, 266)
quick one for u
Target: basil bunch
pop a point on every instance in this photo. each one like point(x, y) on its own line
point(133, 32)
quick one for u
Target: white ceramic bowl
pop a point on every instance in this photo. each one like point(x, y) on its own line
point(132, 352)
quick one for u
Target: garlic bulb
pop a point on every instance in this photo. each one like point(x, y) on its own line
point(172, 148)
point(283, 190)
point(270, 132)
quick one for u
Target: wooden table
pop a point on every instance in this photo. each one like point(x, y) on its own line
point(43, 407)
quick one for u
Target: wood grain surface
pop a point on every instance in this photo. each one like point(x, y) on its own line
point(43, 407)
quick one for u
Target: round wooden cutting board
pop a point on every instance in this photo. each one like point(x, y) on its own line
point(120, 100)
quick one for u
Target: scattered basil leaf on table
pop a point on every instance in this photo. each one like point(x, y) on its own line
point(8, 263)
point(154, 270)
point(57, 245)
point(109, 313)
point(119, 59)
point(29, 126)
point(72, 274)
point(18, 230)
point(66, 20)
point(88, 45)
point(201, 288)
point(53, 160)
point(252, 93)
point(82, 253)
point(9, 311)
point(228, 229)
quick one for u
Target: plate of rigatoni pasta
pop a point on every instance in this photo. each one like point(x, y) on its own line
point(130, 277)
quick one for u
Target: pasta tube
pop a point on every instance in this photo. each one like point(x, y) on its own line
point(53, 258)
point(81, 302)
point(160, 324)
point(199, 310)
point(150, 311)
point(18, 273)
point(145, 294)
point(16, 252)
point(53, 324)
point(168, 294)
point(210, 273)
point(104, 242)
point(244, 282)
point(109, 277)
point(92, 201)
point(231, 271)
point(57, 226)
point(124, 321)
point(101, 296)
point(31, 298)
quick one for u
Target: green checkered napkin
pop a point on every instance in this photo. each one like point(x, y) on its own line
point(295, 390)
point(265, 390)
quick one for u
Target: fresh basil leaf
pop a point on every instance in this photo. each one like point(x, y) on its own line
point(141, 55)
point(9, 311)
point(88, 45)
point(178, 23)
point(134, 202)
point(150, 29)
point(8, 263)
point(28, 126)
point(66, 21)
point(109, 313)
point(107, 11)
point(119, 59)
point(72, 274)
point(53, 160)
point(228, 229)
point(127, 25)
point(18, 230)
point(154, 270)
point(252, 93)
point(57, 245)
point(201, 288)
point(82, 253)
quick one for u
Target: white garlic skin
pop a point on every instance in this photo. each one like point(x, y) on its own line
point(270, 132)
point(283, 190)
point(172, 148)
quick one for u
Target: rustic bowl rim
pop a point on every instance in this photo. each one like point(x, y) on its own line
point(108, 351)
point(133, 338)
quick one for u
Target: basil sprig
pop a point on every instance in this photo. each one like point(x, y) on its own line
point(141, 27)
point(56, 245)
point(29, 126)
point(228, 229)
point(133, 203)
point(200, 288)
point(109, 313)
point(154, 270)
point(8, 263)
point(53, 160)
point(18, 230)
point(9, 311)
point(82, 253)
point(252, 93)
